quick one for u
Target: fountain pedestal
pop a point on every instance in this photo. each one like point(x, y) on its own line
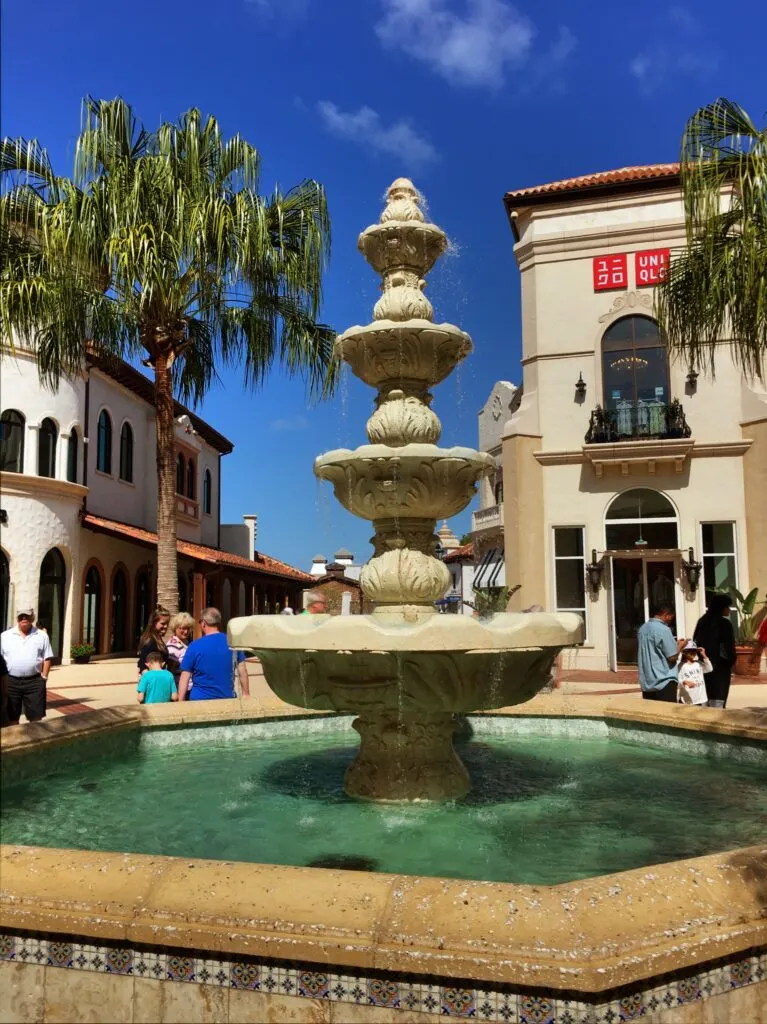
point(404, 671)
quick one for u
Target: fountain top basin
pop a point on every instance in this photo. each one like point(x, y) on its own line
point(392, 631)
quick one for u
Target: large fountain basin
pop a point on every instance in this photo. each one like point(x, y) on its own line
point(376, 481)
point(120, 936)
point(393, 353)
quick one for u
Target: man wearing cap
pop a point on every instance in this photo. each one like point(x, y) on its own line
point(27, 653)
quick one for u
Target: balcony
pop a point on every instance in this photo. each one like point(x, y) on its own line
point(490, 518)
point(187, 508)
point(638, 421)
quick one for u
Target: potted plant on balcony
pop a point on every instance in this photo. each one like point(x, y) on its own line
point(751, 614)
point(81, 652)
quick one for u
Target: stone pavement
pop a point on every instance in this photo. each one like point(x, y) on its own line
point(112, 682)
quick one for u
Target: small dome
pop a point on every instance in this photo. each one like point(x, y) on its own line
point(343, 553)
point(319, 558)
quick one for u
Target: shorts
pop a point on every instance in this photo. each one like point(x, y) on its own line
point(27, 695)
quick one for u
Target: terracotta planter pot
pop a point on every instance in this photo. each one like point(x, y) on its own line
point(748, 658)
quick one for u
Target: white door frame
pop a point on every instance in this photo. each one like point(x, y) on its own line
point(612, 646)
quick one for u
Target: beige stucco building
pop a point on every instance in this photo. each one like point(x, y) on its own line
point(648, 486)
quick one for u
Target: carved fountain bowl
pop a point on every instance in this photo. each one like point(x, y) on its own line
point(440, 664)
point(387, 352)
point(402, 243)
point(377, 481)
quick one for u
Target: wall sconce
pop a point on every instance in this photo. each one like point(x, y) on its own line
point(594, 572)
point(580, 386)
point(692, 570)
point(692, 380)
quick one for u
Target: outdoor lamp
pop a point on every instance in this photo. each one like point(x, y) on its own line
point(692, 570)
point(580, 385)
point(692, 379)
point(594, 572)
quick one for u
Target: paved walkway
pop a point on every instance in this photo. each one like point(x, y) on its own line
point(111, 683)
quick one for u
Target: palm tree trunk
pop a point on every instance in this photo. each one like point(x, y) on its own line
point(167, 563)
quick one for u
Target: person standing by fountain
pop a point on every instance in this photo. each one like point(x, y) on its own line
point(153, 638)
point(714, 632)
point(28, 657)
point(658, 653)
point(210, 664)
point(315, 604)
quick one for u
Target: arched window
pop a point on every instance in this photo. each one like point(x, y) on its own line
point(46, 448)
point(5, 590)
point(635, 378)
point(207, 489)
point(92, 608)
point(104, 443)
point(142, 603)
point(180, 473)
point(50, 598)
point(190, 479)
point(126, 453)
point(119, 612)
point(12, 442)
point(640, 518)
point(73, 446)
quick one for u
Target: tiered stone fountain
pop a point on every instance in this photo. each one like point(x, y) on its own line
point(404, 670)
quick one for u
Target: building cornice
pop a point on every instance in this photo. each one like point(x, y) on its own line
point(589, 244)
point(23, 485)
point(622, 455)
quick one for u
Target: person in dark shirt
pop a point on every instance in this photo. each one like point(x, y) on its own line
point(714, 632)
point(153, 638)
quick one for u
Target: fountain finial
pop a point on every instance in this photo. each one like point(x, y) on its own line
point(402, 202)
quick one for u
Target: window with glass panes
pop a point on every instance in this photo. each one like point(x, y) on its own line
point(569, 570)
point(719, 566)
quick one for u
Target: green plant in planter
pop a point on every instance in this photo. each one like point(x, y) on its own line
point(489, 600)
point(82, 650)
point(751, 611)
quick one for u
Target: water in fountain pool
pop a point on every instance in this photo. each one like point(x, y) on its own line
point(542, 810)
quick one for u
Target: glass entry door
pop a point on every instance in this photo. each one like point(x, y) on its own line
point(638, 584)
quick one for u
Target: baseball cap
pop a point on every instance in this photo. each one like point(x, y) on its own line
point(25, 613)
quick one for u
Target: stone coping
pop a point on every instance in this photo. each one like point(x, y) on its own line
point(589, 936)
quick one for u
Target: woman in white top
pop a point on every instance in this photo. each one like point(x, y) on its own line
point(693, 662)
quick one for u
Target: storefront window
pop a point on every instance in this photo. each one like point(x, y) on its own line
point(569, 570)
point(635, 376)
point(719, 568)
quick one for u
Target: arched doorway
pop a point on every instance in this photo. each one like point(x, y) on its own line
point(642, 542)
point(119, 612)
point(92, 608)
point(5, 591)
point(142, 603)
point(51, 598)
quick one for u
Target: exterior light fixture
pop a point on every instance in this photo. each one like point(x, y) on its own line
point(580, 385)
point(692, 570)
point(692, 379)
point(594, 572)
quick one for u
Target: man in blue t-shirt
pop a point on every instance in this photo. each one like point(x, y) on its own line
point(658, 653)
point(209, 664)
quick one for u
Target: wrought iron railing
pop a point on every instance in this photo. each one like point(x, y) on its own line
point(637, 421)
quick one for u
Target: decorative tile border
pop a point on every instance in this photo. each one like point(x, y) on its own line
point(413, 994)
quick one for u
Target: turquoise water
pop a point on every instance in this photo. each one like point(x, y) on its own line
point(542, 810)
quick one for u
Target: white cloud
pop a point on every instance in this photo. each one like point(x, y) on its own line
point(291, 423)
point(681, 55)
point(474, 47)
point(365, 127)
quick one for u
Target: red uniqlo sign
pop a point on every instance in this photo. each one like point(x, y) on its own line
point(650, 266)
point(610, 272)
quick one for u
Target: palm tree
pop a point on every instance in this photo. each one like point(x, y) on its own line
point(717, 287)
point(160, 247)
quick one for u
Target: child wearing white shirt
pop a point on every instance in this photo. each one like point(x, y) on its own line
point(693, 662)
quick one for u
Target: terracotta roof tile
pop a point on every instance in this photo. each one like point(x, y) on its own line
point(584, 182)
point(465, 551)
point(199, 552)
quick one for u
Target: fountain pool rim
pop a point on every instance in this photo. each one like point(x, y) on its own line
point(587, 936)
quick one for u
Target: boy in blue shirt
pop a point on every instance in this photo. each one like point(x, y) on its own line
point(157, 685)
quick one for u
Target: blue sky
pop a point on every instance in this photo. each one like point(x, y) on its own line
point(469, 97)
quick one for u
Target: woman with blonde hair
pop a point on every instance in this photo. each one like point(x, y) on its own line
point(181, 630)
point(153, 638)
